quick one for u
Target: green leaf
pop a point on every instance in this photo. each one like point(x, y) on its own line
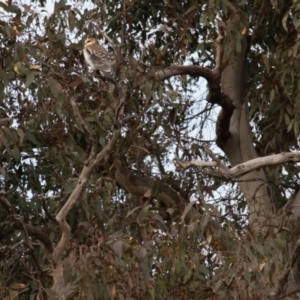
point(272, 94)
point(296, 20)
point(152, 293)
point(118, 248)
point(284, 20)
point(15, 152)
point(32, 138)
point(286, 119)
point(29, 78)
point(4, 6)
point(21, 135)
point(291, 124)
point(80, 153)
point(131, 212)
point(187, 276)
point(296, 128)
point(72, 21)
point(279, 243)
point(143, 215)
point(8, 133)
point(102, 141)
point(3, 171)
point(186, 210)
point(190, 9)
point(85, 79)
point(266, 62)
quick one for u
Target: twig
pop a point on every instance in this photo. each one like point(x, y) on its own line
point(87, 129)
point(47, 212)
point(79, 117)
point(107, 38)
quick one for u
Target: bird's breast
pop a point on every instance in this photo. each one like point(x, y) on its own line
point(88, 59)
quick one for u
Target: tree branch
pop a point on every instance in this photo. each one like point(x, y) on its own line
point(107, 38)
point(215, 94)
point(30, 229)
point(175, 70)
point(74, 197)
point(138, 185)
point(254, 164)
point(219, 51)
point(86, 128)
point(84, 176)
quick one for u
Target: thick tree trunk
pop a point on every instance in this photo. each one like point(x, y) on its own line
point(239, 147)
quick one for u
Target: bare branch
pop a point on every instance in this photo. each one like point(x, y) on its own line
point(215, 94)
point(192, 70)
point(74, 197)
point(254, 164)
point(216, 159)
point(219, 51)
point(107, 38)
point(194, 163)
point(209, 75)
point(138, 185)
point(93, 159)
point(79, 118)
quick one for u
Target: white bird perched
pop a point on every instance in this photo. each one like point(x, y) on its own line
point(99, 59)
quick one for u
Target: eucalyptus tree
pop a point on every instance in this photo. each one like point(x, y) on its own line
point(157, 186)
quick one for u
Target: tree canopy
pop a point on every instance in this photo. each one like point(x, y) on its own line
point(179, 182)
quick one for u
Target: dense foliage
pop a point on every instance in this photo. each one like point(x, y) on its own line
point(128, 243)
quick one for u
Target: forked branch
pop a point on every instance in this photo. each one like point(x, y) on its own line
point(93, 159)
point(213, 78)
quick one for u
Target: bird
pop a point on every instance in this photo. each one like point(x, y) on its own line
point(99, 59)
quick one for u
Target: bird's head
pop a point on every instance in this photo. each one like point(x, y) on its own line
point(90, 41)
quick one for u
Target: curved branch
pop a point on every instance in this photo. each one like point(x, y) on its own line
point(74, 197)
point(192, 70)
point(139, 185)
point(93, 159)
point(215, 94)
